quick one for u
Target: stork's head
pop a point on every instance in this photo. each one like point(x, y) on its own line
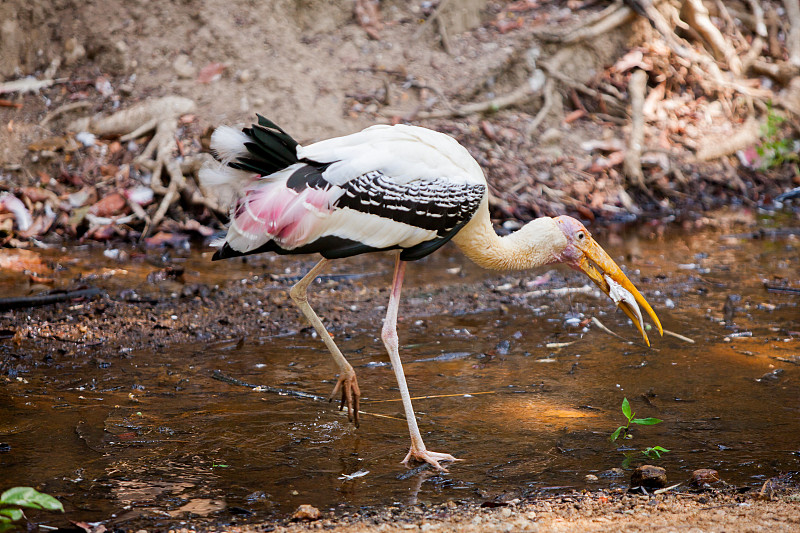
point(584, 254)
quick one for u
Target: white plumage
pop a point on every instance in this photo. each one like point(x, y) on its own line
point(384, 188)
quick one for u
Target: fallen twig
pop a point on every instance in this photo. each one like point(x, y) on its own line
point(561, 291)
point(596, 322)
point(679, 336)
point(286, 392)
point(24, 302)
point(267, 388)
point(432, 396)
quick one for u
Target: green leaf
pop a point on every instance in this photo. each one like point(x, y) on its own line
point(626, 463)
point(626, 409)
point(614, 436)
point(11, 514)
point(660, 449)
point(7, 526)
point(646, 421)
point(30, 497)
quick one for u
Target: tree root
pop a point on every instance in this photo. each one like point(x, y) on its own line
point(606, 20)
point(161, 116)
point(633, 155)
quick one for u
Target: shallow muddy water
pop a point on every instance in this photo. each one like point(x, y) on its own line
point(526, 389)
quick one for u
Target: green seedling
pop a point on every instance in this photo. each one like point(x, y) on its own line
point(15, 499)
point(776, 149)
point(654, 451)
point(624, 431)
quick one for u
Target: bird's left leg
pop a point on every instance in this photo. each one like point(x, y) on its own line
point(390, 340)
point(347, 383)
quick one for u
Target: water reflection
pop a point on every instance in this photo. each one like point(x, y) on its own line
point(524, 395)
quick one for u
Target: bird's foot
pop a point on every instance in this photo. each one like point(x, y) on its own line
point(351, 395)
point(429, 457)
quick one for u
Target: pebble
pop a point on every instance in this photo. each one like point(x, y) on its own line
point(244, 76)
point(183, 67)
point(649, 477)
point(306, 512)
point(704, 476)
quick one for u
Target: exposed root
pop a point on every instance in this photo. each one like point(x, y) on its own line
point(633, 155)
point(522, 94)
point(161, 117)
point(793, 38)
point(606, 20)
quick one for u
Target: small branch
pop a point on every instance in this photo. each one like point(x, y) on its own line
point(596, 322)
point(24, 302)
point(678, 336)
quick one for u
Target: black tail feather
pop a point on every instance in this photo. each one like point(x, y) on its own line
point(270, 149)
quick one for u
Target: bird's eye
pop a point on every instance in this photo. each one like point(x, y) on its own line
point(581, 235)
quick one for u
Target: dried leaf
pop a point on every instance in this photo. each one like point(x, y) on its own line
point(110, 205)
point(211, 72)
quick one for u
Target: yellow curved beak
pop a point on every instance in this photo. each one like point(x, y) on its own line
point(598, 265)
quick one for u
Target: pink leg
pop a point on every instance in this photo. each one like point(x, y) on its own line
point(390, 340)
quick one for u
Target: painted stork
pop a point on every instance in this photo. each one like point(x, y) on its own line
point(402, 188)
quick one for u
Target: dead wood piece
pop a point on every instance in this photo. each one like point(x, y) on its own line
point(24, 302)
point(633, 155)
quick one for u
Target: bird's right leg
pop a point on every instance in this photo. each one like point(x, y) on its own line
point(347, 383)
point(392, 343)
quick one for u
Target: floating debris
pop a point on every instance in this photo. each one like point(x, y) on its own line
point(354, 475)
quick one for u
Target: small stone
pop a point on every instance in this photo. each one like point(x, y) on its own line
point(244, 76)
point(649, 477)
point(704, 476)
point(73, 51)
point(591, 478)
point(306, 512)
point(183, 67)
point(613, 472)
point(551, 136)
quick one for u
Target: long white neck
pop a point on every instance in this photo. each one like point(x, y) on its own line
point(535, 244)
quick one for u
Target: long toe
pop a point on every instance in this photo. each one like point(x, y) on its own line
point(351, 396)
point(429, 457)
